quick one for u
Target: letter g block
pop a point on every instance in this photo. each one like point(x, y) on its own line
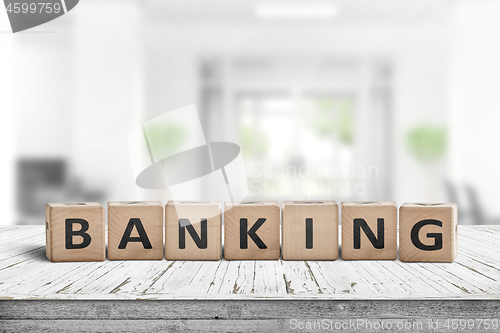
point(75, 231)
point(428, 232)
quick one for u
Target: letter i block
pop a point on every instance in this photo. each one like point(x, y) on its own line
point(310, 230)
point(252, 230)
point(75, 231)
point(135, 230)
point(369, 230)
point(193, 230)
point(428, 232)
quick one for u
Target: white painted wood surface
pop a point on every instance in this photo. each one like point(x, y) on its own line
point(25, 273)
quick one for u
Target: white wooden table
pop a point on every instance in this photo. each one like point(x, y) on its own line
point(242, 295)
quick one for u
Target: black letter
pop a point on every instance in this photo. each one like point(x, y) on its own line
point(200, 242)
point(378, 242)
point(309, 233)
point(438, 238)
point(142, 235)
point(243, 234)
point(70, 233)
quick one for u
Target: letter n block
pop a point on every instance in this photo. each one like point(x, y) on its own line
point(135, 230)
point(428, 232)
point(252, 230)
point(193, 230)
point(310, 230)
point(75, 231)
point(369, 230)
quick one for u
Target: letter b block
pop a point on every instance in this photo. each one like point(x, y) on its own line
point(135, 230)
point(310, 230)
point(193, 230)
point(428, 232)
point(252, 230)
point(369, 230)
point(75, 231)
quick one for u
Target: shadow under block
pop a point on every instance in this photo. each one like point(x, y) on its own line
point(75, 232)
point(369, 230)
point(310, 230)
point(252, 230)
point(135, 230)
point(193, 230)
point(428, 232)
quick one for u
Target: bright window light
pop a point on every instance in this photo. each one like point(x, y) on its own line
point(296, 11)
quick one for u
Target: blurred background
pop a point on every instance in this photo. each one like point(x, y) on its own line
point(340, 100)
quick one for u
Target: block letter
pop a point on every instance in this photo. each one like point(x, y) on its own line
point(438, 243)
point(143, 237)
point(84, 226)
point(360, 222)
point(135, 230)
point(264, 233)
point(75, 231)
point(244, 232)
point(201, 242)
point(310, 230)
point(377, 242)
point(428, 232)
point(203, 221)
point(309, 233)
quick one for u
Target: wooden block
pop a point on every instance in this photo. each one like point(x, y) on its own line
point(369, 230)
point(193, 230)
point(75, 231)
point(252, 230)
point(135, 230)
point(310, 230)
point(428, 232)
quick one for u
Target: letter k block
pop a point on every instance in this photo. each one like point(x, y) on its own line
point(252, 230)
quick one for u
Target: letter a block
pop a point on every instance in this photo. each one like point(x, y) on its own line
point(310, 230)
point(135, 230)
point(193, 230)
point(428, 232)
point(75, 231)
point(369, 230)
point(252, 230)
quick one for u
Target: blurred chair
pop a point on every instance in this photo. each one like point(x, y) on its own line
point(42, 180)
point(470, 210)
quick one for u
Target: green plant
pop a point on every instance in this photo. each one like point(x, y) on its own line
point(426, 142)
point(253, 141)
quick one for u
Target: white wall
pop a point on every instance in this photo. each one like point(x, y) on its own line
point(475, 99)
point(419, 52)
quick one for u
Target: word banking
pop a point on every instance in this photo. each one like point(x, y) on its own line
point(193, 231)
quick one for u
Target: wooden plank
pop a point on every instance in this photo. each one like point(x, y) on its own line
point(245, 309)
point(299, 279)
point(26, 273)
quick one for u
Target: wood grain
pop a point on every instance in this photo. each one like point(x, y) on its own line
point(412, 213)
point(268, 232)
point(369, 212)
point(324, 243)
point(194, 212)
point(25, 273)
point(149, 216)
point(241, 315)
point(91, 214)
